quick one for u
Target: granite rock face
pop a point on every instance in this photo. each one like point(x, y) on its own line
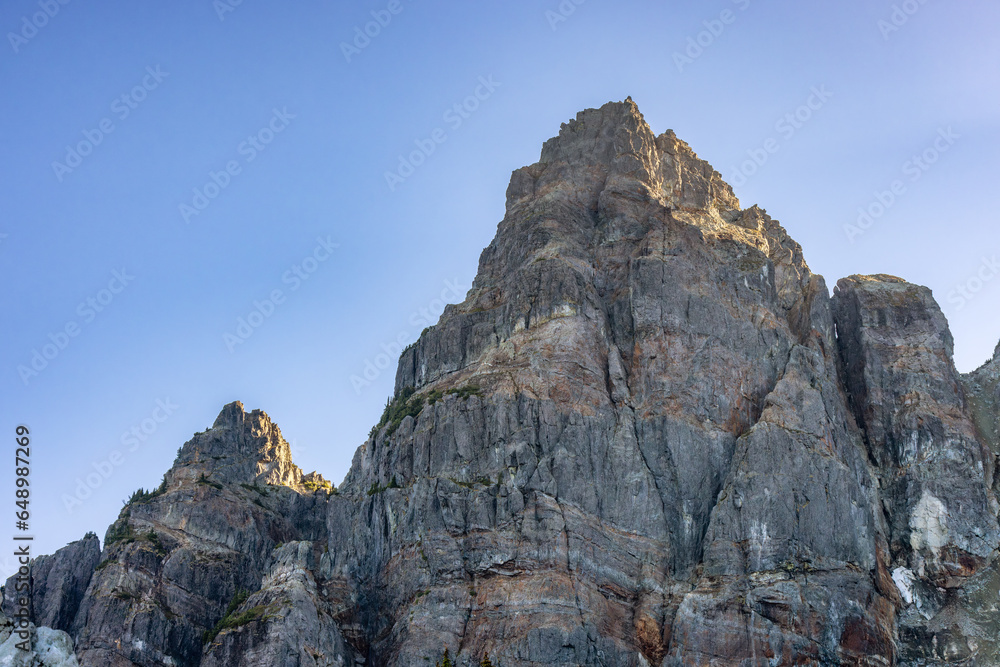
point(982, 387)
point(647, 436)
point(178, 558)
point(37, 647)
point(935, 467)
point(58, 584)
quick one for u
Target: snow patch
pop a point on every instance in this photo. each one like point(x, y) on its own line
point(564, 310)
point(54, 648)
point(929, 524)
point(50, 648)
point(759, 538)
point(904, 582)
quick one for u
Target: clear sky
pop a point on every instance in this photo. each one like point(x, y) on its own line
point(168, 166)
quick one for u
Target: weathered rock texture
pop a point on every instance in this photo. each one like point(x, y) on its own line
point(177, 557)
point(45, 647)
point(57, 583)
point(648, 436)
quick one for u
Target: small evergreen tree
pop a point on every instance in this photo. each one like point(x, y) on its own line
point(486, 661)
point(445, 660)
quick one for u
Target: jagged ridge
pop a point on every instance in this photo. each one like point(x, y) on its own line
point(646, 436)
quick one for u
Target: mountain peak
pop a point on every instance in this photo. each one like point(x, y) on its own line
point(616, 140)
point(232, 415)
point(606, 193)
point(592, 135)
point(241, 447)
point(647, 409)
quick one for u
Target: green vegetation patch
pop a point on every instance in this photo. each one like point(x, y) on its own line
point(378, 488)
point(409, 404)
point(404, 405)
point(207, 482)
point(466, 391)
point(140, 495)
point(312, 485)
point(121, 533)
point(231, 619)
point(154, 540)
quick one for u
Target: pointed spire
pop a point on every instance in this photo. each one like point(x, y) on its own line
point(232, 416)
point(591, 136)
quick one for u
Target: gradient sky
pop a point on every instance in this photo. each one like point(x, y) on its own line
point(226, 73)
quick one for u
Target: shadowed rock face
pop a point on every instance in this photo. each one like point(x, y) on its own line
point(40, 647)
point(648, 436)
point(935, 467)
point(58, 583)
point(982, 388)
point(177, 558)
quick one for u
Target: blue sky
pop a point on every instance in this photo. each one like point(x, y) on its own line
point(278, 138)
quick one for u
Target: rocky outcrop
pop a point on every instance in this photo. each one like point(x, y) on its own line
point(647, 436)
point(178, 556)
point(297, 617)
point(628, 330)
point(935, 470)
point(982, 388)
point(41, 647)
point(57, 584)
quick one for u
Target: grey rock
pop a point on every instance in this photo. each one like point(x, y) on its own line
point(39, 647)
point(982, 390)
point(636, 336)
point(57, 583)
point(647, 436)
point(175, 559)
point(910, 402)
point(935, 467)
point(294, 619)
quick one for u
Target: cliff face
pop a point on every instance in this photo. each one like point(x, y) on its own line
point(648, 436)
point(216, 532)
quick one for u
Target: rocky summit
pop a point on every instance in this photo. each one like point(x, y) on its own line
point(649, 435)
